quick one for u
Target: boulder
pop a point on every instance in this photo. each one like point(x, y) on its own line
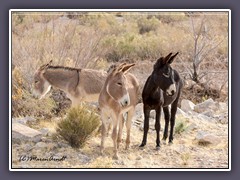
point(21, 132)
point(187, 105)
point(181, 112)
point(204, 138)
point(23, 120)
point(205, 106)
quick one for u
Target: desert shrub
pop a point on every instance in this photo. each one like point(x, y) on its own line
point(169, 17)
point(28, 106)
point(78, 126)
point(23, 103)
point(146, 25)
point(180, 127)
point(17, 84)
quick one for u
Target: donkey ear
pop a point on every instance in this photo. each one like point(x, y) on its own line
point(127, 67)
point(120, 67)
point(172, 58)
point(165, 60)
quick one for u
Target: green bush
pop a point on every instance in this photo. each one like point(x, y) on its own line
point(146, 25)
point(78, 126)
point(180, 127)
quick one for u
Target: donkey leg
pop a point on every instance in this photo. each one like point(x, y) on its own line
point(121, 122)
point(104, 132)
point(157, 126)
point(114, 137)
point(128, 126)
point(166, 117)
point(172, 120)
point(146, 125)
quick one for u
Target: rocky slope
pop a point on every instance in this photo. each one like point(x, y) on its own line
point(201, 141)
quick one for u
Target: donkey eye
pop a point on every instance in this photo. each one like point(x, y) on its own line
point(120, 84)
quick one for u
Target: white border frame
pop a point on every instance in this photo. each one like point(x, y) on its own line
point(120, 10)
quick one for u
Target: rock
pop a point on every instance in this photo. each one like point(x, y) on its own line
point(222, 118)
point(83, 158)
point(223, 107)
point(187, 105)
point(41, 145)
point(23, 120)
point(192, 127)
point(192, 113)
point(21, 132)
point(181, 112)
point(205, 138)
point(205, 106)
point(208, 113)
point(44, 131)
point(205, 118)
point(138, 157)
point(153, 114)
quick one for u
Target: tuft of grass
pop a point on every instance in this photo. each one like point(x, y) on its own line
point(180, 127)
point(78, 126)
point(185, 158)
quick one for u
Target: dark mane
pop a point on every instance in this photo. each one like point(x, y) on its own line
point(64, 68)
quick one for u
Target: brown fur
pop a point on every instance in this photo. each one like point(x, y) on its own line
point(118, 96)
point(79, 84)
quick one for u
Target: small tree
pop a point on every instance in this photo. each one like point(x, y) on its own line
point(204, 44)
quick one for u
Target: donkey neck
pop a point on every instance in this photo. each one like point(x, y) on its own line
point(61, 78)
point(150, 88)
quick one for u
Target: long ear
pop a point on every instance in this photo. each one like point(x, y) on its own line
point(120, 67)
point(165, 60)
point(127, 67)
point(172, 58)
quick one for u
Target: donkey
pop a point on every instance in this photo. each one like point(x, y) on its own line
point(79, 84)
point(118, 96)
point(162, 88)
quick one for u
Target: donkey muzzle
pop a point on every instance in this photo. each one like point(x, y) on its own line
point(125, 100)
point(171, 90)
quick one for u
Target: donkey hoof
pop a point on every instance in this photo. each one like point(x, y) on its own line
point(170, 143)
point(142, 145)
point(157, 148)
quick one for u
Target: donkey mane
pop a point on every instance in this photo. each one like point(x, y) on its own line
point(64, 68)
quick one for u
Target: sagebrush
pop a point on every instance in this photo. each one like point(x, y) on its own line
point(78, 125)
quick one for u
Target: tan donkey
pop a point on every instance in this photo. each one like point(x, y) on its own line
point(79, 84)
point(118, 96)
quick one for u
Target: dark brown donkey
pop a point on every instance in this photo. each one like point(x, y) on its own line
point(163, 88)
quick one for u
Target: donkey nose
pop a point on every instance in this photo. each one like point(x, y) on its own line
point(172, 92)
point(126, 102)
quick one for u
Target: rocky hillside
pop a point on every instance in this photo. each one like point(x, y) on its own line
point(201, 141)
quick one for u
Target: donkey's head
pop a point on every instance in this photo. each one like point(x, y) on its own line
point(116, 84)
point(40, 85)
point(163, 74)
